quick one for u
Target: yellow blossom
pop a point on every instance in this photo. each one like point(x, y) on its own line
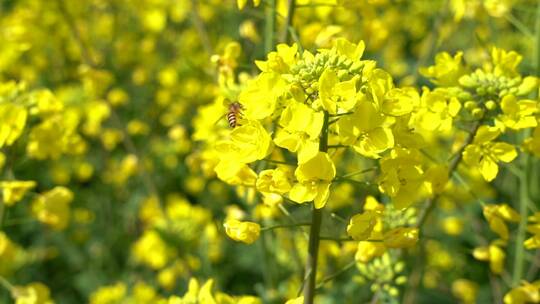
point(369, 250)
point(505, 62)
point(14, 191)
point(361, 225)
point(534, 228)
point(484, 154)
point(299, 300)
point(235, 173)
point(151, 250)
point(314, 179)
point(301, 128)
point(525, 293)
point(260, 96)
point(109, 294)
point(273, 181)
point(532, 144)
point(248, 143)
point(367, 130)
point(452, 225)
point(437, 111)
point(447, 69)
point(401, 237)
point(492, 254)
point(197, 293)
point(400, 101)
point(518, 114)
point(247, 232)
point(496, 216)
point(33, 293)
point(402, 177)
point(337, 97)
point(12, 122)
point(242, 3)
point(52, 207)
point(465, 290)
point(279, 61)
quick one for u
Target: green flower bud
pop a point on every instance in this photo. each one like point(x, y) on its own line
point(342, 74)
point(401, 280)
point(467, 81)
point(399, 266)
point(394, 292)
point(470, 105)
point(514, 82)
point(356, 67)
point(491, 105)
point(464, 95)
point(477, 113)
point(481, 91)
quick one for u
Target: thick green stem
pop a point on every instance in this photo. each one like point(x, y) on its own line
point(291, 5)
point(314, 232)
point(313, 255)
point(270, 26)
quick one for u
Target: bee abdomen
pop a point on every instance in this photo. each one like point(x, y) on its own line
point(231, 117)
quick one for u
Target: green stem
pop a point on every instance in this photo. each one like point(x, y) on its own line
point(363, 171)
point(520, 26)
point(519, 258)
point(267, 268)
point(314, 232)
point(201, 28)
point(454, 163)
point(337, 146)
point(291, 5)
point(7, 285)
point(336, 274)
point(270, 24)
point(268, 228)
point(346, 239)
point(2, 208)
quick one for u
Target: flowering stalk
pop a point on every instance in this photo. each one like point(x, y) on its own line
point(314, 237)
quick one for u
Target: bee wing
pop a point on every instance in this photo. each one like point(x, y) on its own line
point(220, 118)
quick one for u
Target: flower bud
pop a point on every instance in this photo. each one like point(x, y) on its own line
point(491, 105)
point(470, 105)
point(477, 113)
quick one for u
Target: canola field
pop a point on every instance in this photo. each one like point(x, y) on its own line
point(269, 151)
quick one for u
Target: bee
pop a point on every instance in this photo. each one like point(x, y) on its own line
point(234, 113)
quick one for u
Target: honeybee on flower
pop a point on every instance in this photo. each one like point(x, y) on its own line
point(234, 113)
